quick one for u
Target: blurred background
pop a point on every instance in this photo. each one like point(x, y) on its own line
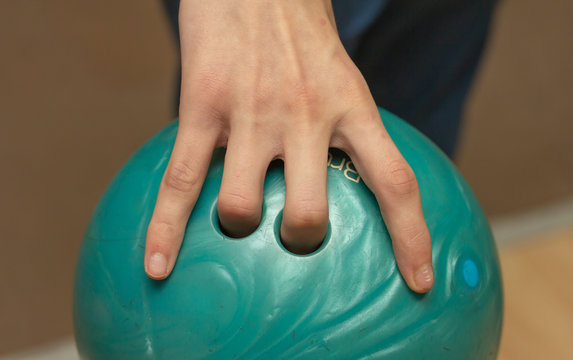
point(84, 84)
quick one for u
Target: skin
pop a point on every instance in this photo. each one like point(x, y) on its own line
point(271, 80)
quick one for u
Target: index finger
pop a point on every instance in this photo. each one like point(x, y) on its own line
point(178, 192)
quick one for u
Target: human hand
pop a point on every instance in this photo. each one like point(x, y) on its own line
point(271, 80)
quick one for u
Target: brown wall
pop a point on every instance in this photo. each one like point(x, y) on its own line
point(83, 84)
point(517, 151)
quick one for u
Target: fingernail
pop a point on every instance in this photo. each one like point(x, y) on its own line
point(424, 277)
point(157, 266)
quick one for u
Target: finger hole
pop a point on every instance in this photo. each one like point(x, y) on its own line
point(238, 215)
point(304, 225)
point(240, 199)
point(220, 229)
point(310, 251)
point(305, 214)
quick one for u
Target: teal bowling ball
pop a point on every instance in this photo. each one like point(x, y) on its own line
point(250, 298)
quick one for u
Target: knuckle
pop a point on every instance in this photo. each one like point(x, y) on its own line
point(300, 98)
point(307, 216)
point(415, 238)
point(232, 205)
point(209, 83)
point(262, 100)
point(162, 231)
point(305, 227)
point(353, 86)
point(364, 120)
point(402, 180)
point(367, 118)
point(181, 177)
point(206, 90)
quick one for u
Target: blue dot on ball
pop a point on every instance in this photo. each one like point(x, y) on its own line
point(471, 275)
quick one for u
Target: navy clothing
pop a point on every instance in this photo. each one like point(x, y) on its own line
point(353, 17)
point(418, 57)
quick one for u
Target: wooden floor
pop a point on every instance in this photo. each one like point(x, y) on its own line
point(538, 283)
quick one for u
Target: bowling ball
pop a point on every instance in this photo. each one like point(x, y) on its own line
point(250, 298)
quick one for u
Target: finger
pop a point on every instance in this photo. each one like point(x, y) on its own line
point(241, 195)
point(177, 195)
point(394, 184)
point(305, 215)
